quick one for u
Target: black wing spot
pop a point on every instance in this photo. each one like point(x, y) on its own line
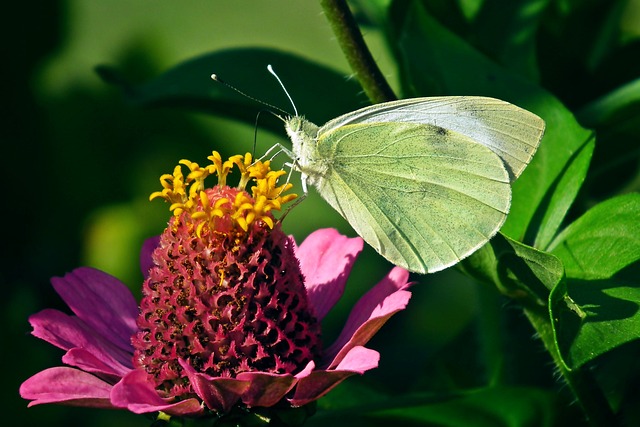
point(441, 131)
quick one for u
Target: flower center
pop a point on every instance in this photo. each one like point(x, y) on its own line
point(225, 294)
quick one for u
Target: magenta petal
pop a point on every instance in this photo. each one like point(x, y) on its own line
point(319, 383)
point(359, 360)
point(101, 301)
point(87, 361)
point(370, 313)
point(217, 393)
point(266, 389)
point(326, 258)
point(137, 394)
point(146, 262)
point(306, 370)
point(66, 385)
point(68, 332)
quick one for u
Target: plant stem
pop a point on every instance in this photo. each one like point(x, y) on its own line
point(352, 43)
point(590, 397)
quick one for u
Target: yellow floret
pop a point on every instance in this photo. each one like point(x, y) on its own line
point(187, 194)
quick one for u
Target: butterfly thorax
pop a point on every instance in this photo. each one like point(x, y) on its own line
point(303, 135)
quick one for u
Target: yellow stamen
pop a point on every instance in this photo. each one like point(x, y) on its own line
point(188, 194)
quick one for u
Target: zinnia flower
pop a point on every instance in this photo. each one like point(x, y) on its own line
point(230, 314)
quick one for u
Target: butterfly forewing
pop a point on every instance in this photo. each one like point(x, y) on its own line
point(509, 131)
point(423, 196)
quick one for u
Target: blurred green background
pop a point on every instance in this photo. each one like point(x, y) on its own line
point(83, 163)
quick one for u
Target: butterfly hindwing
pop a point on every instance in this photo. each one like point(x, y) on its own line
point(423, 196)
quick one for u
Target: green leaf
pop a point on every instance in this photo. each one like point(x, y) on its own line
point(470, 8)
point(502, 406)
point(435, 61)
point(592, 317)
point(619, 105)
point(188, 85)
point(508, 31)
point(598, 308)
point(614, 117)
point(518, 270)
point(603, 241)
point(370, 12)
point(561, 193)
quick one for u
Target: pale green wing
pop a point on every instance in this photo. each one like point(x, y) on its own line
point(422, 196)
point(509, 131)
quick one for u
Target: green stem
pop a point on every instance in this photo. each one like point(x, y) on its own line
point(352, 43)
point(584, 387)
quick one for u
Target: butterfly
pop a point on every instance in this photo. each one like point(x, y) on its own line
point(424, 181)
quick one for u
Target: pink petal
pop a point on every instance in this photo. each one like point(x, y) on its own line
point(148, 247)
point(318, 383)
point(266, 389)
point(88, 362)
point(326, 258)
point(101, 301)
point(66, 385)
point(219, 394)
point(370, 313)
point(359, 360)
point(311, 366)
point(137, 394)
point(69, 332)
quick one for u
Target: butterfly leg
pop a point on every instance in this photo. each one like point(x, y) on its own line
point(281, 149)
point(303, 182)
point(292, 205)
point(292, 165)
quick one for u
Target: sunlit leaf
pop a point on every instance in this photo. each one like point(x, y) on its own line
point(603, 241)
point(598, 308)
point(562, 191)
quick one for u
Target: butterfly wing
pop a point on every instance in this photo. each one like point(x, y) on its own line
point(509, 131)
point(424, 197)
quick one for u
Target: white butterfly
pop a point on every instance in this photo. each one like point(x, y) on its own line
point(424, 181)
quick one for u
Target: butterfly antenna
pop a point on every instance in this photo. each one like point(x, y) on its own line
point(270, 68)
point(255, 133)
point(216, 78)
